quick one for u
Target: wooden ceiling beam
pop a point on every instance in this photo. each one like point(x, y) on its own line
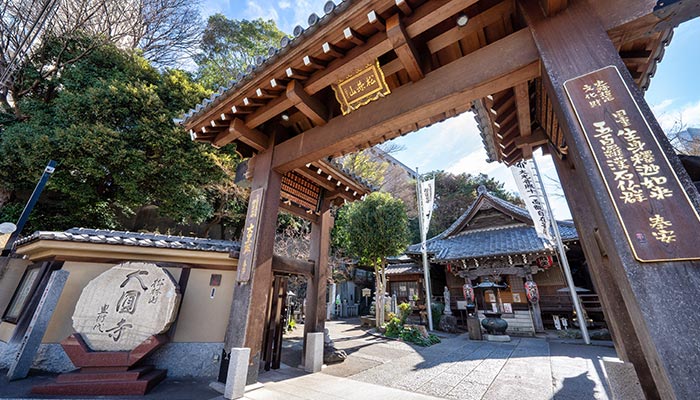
point(292, 266)
point(552, 7)
point(522, 103)
point(377, 45)
point(475, 24)
point(376, 21)
point(344, 183)
point(239, 131)
point(613, 14)
point(298, 211)
point(474, 76)
point(432, 13)
point(320, 180)
point(404, 48)
point(332, 50)
point(314, 63)
point(305, 103)
point(353, 37)
point(505, 115)
point(404, 7)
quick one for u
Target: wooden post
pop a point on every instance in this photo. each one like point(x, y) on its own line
point(250, 297)
point(616, 315)
point(315, 319)
point(536, 312)
point(651, 298)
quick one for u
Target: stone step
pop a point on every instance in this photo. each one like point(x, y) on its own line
point(91, 376)
point(102, 388)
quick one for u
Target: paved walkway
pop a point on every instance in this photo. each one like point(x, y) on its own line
point(379, 368)
point(457, 368)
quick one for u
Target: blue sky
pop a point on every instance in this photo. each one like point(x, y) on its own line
point(455, 145)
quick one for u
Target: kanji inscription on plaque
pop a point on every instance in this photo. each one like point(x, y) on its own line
point(658, 218)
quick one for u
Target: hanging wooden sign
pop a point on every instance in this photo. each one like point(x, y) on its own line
point(365, 85)
point(659, 220)
point(246, 261)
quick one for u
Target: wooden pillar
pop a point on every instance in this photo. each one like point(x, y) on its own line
point(656, 328)
point(616, 315)
point(315, 319)
point(536, 311)
point(250, 296)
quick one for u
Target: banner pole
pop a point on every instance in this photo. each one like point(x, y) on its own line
point(563, 261)
point(424, 250)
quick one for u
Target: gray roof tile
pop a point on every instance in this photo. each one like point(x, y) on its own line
point(102, 236)
point(517, 238)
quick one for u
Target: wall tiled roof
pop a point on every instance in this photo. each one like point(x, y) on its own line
point(103, 236)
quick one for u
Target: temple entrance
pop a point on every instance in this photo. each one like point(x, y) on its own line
point(276, 324)
point(564, 76)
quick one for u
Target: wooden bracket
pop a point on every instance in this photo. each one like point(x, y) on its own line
point(404, 48)
point(308, 105)
point(239, 131)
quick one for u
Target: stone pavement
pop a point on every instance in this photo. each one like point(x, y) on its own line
point(457, 368)
point(379, 368)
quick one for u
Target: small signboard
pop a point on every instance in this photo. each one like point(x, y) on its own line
point(246, 261)
point(656, 214)
point(365, 85)
point(461, 305)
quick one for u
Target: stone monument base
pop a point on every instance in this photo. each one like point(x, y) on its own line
point(106, 372)
point(497, 338)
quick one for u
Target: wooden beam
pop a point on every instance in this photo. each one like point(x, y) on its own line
point(314, 63)
point(552, 7)
point(537, 138)
point(298, 211)
point(376, 21)
point(403, 46)
point(239, 131)
point(522, 102)
point(471, 77)
point(293, 73)
point(320, 180)
point(404, 7)
point(378, 44)
point(432, 13)
point(613, 14)
point(332, 50)
point(292, 266)
point(308, 105)
point(354, 37)
point(274, 107)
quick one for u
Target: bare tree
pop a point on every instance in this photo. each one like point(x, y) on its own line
point(166, 31)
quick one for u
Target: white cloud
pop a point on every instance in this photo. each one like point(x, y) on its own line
point(260, 9)
point(284, 4)
point(687, 114)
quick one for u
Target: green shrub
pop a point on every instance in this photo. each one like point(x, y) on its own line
point(405, 310)
point(414, 336)
point(393, 328)
point(436, 309)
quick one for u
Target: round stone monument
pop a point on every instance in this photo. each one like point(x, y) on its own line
point(126, 305)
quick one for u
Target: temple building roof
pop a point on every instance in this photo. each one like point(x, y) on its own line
point(491, 227)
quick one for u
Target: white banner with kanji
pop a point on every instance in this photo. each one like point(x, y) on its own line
point(531, 192)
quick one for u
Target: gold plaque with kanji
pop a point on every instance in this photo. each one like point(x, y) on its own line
point(657, 216)
point(365, 85)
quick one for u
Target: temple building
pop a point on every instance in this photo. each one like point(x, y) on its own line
point(495, 242)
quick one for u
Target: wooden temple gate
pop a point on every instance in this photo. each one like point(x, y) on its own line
point(565, 76)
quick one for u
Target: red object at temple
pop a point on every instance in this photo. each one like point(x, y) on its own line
point(468, 291)
point(106, 372)
point(533, 294)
